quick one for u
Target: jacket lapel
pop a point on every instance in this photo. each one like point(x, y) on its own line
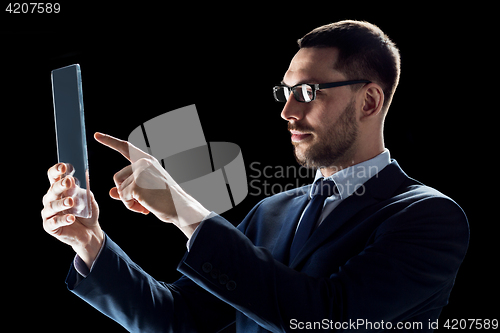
point(378, 188)
point(281, 250)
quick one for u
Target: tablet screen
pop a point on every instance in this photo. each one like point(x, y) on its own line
point(70, 132)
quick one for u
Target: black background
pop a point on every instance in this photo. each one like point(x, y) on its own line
point(141, 60)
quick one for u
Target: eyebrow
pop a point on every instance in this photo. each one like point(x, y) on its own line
point(308, 81)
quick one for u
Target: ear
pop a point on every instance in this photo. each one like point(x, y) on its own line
point(373, 100)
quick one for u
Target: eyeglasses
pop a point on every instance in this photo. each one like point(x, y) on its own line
point(306, 92)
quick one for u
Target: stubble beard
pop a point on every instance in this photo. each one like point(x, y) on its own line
point(335, 148)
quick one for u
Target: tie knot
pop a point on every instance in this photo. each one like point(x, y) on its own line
point(324, 188)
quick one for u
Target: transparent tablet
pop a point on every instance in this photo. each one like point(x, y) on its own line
point(70, 132)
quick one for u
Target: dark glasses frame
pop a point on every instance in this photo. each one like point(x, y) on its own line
point(281, 96)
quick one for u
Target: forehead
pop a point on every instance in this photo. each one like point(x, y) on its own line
point(313, 65)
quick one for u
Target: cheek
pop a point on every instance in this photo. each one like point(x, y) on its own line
point(328, 108)
point(322, 118)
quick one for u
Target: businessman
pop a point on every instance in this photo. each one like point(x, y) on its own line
point(363, 248)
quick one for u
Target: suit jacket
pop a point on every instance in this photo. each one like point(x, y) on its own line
point(387, 256)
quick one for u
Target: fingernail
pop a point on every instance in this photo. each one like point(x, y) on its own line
point(70, 218)
point(66, 202)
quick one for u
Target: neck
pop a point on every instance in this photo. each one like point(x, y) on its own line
point(354, 158)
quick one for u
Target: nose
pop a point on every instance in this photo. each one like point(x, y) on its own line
point(293, 110)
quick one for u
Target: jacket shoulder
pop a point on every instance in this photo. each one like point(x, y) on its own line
point(420, 207)
point(413, 190)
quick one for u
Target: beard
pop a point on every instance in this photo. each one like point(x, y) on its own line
point(334, 147)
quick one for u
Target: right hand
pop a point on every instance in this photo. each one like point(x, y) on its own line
point(144, 186)
point(83, 235)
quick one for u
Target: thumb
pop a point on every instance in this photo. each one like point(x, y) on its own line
point(114, 193)
point(134, 206)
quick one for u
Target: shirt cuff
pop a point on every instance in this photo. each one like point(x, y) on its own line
point(81, 266)
point(190, 242)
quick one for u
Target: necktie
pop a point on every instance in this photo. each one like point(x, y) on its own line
point(322, 190)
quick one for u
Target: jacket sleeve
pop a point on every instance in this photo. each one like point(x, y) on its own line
point(121, 290)
point(410, 262)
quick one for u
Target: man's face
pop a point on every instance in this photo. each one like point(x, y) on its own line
point(324, 131)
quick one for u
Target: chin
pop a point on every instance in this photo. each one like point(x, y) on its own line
point(299, 154)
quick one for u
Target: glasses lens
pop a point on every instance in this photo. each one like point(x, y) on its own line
point(303, 93)
point(281, 93)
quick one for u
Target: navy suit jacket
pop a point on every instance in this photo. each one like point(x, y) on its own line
point(387, 255)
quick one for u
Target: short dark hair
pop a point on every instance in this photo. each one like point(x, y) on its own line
point(365, 53)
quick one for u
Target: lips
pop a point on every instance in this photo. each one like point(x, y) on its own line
point(298, 136)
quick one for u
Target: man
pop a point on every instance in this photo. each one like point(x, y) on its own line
point(363, 248)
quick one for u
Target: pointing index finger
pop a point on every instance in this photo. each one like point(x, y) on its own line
point(128, 150)
point(114, 143)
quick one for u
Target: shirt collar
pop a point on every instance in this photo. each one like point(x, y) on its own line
point(350, 179)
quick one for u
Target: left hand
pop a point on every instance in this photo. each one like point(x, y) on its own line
point(83, 235)
point(144, 186)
